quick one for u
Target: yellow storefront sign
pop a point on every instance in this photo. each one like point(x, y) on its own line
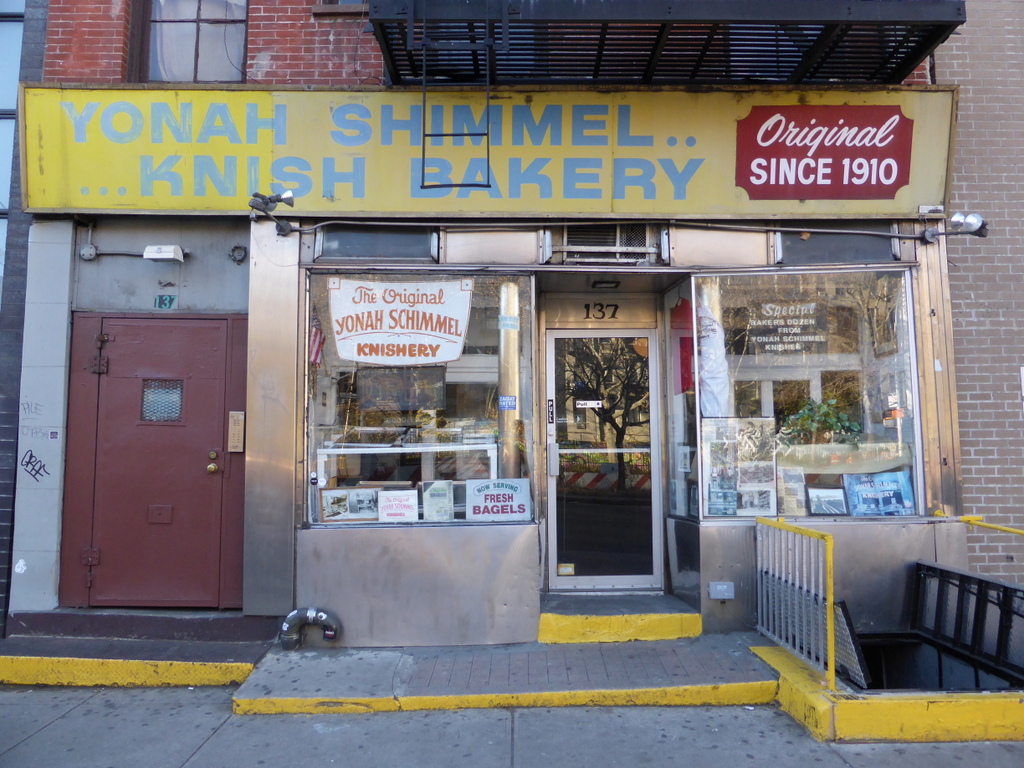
point(659, 153)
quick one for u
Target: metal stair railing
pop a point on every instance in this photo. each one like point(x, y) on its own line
point(796, 592)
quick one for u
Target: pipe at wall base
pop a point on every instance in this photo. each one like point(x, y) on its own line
point(291, 629)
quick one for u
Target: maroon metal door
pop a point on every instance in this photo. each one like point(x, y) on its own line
point(159, 476)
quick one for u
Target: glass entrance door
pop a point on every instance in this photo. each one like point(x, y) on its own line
point(603, 466)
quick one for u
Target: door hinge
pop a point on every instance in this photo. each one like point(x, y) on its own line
point(99, 363)
point(90, 556)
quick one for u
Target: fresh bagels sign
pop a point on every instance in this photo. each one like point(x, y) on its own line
point(823, 152)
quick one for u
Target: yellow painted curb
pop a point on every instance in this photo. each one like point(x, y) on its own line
point(884, 716)
point(931, 717)
point(41, 670)
point(699, 695)
point(802, 693)
point(560, 628)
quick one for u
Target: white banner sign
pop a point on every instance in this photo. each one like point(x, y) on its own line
point(497, 500)
point(400, 323)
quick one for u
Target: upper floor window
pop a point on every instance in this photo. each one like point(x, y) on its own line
point(197, 41)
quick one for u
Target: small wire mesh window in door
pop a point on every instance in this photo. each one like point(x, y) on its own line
point(161, 399)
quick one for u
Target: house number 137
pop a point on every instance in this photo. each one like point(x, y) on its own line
point(600, 311)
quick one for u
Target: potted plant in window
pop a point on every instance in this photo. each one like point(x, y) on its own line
point(818, 423)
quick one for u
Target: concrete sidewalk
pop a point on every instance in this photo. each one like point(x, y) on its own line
point(607, 652)
point(43, 727)
point(712, 669)
point(735, 669)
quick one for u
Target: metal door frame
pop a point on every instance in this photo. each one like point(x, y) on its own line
point(655, 580)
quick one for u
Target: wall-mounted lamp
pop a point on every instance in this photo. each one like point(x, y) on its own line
point(163, 253)
point(266, 204)
point(959, 224)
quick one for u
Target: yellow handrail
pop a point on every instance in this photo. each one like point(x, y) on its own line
point(830, 614)
point(977, 520)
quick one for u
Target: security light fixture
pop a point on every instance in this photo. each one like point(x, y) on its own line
point(266, 204)
point(604, 285)
point(968, 224)
point(959, 224)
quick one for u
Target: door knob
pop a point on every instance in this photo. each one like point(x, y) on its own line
point(211, 468)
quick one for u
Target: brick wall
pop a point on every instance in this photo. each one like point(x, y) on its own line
point(289, 43)
point(987, 276)
point(87, 41)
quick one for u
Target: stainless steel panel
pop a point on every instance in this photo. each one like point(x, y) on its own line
point(424, 585)
point(874, 565)
point(951, 544)
point(207, 281)
point(683, 542)
point(511, 247)
point(272, 418)
point(727, 554)
point(690, 246)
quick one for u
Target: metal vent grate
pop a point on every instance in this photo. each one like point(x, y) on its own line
point(162, 399)
point(599, 235)
point(629, 243)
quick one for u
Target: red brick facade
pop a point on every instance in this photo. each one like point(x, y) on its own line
point(105, 59)
point(290, 42)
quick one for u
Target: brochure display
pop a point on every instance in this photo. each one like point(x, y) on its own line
point(438, 501)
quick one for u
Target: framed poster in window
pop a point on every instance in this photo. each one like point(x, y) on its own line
point(826, 501)
point(345, 505)
point(739, 462)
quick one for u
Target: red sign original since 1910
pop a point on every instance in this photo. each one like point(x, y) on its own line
point(835, 152)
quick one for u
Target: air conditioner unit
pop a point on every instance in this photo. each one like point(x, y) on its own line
point(628, 243)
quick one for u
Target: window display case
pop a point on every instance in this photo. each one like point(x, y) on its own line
point(418, 399)
point(804, 383)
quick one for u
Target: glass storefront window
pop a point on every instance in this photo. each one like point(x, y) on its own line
point(682, 401)
point(419, 399)
point(806, 394)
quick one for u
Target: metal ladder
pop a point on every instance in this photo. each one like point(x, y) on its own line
point(481, 48)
